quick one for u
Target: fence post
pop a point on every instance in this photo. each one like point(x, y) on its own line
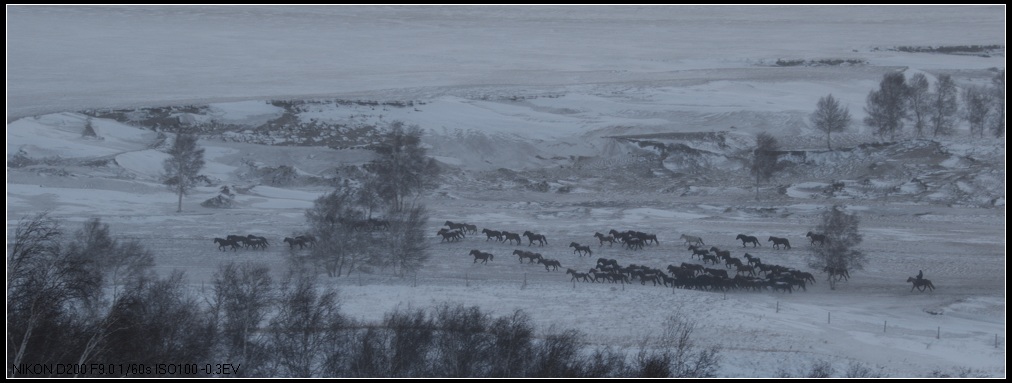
point(829, 315)
point(467, 280)
point(884, 323)
point(938, 335)
point(778, 306)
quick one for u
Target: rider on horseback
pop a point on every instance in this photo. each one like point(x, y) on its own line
point(920, 274)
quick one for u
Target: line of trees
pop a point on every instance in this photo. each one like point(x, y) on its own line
point(897, 101)
point(94, 306)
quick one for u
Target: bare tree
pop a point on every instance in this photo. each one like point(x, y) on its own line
point(677, 355)
point(406, 246)
point(181, 168)
point(306, 327)
point(243, 294)
point(919, 102)
point(334, 221)
point(36, 285)
point(944, 106)
point(829, 117)
point(837, 255)
point(978, 106)
point(764, 159)
point(112, 262)
point(156, 320)
point(887, 107)
point(402, 165)
point(998, 117)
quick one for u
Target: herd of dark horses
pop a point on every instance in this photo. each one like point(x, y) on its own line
point(236, 242)
point(719, 269)
point(750, 274)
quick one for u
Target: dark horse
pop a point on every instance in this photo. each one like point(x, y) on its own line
point(581, 249)
point(512, 237)
point(484, 257)
point(820, 238)
point(748, 239)
point(777, 242)
point(578, 275)
point(309, 240)
point(526, 254)
point(549, 262)
point(295, 241)
point(457, 226)
point(920, 284)
point(492, 234)
point(605, 238)
point(601, 262)
point(222, 242)
point(535, 237)
point(450, 236)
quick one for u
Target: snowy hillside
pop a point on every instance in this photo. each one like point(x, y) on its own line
point(561, 120)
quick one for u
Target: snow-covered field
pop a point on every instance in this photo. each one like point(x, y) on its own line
point(541, 91)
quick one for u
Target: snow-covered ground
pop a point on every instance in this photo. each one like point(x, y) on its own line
point(539, 90)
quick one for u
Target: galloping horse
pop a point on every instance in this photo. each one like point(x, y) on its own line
point(309, 240)
point(722, 254)
point(777, 241)
point(748, 239)
point(512, 237)
point(601, 262)
point(700, 252)
point(484, 257)
point(295, 241)
point(222, 242)
point(526, 254)
point(535, 237)
point(257, 242)
point(634, 243)
point(920, 284)
point(578, 275)
point(549, 262)
point(449, 236)
point(457, 226)
point(581, 249)
point(605, 238)
point(711, 258)
point(692, 239)
point(492, 234)
point(746, 268)
point(752, 260)
point(820, 238)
